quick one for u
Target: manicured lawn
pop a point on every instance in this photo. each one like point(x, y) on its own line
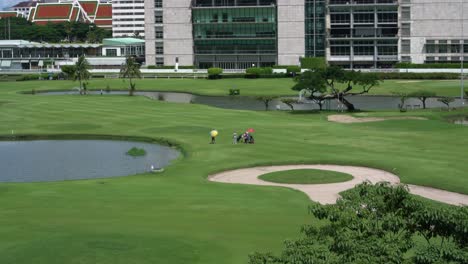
point(178, 216)
point(306, 176)
point(280, 86)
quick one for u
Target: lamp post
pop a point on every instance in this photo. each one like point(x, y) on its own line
point(462, 41)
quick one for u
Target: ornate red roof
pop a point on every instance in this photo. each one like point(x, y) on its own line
point(8, 14)
point(90, 7)
point(55, 11)
point(104, 11)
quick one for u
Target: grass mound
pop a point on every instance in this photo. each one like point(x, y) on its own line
point(136, 152)
point(306, 176)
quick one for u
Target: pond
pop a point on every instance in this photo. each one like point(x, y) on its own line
point(57, 160)
point(249, 103)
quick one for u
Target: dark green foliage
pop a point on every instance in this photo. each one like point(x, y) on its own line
point(214, 73)
point(406, 65)
point(136, 152)
point(313, 63)
point(53, 32)
point(376, 224)
point(130, 70)
point(423, 96)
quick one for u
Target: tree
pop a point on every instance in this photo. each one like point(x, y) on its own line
point(446, 101)
point(266, 100)
point(403, 99)
point(290, 102)
point(422, 96)
point(82, 73)
point(377, 224)
point(334, 78)
point(313, 85)
point(130, 70)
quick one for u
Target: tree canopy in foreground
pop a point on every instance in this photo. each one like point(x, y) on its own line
point(379, 224)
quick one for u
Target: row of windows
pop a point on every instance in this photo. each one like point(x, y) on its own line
point(208, 3)
point(236, 15)
point(208, 31)
point(364, 18)
point(445, 48)
point(363, 50)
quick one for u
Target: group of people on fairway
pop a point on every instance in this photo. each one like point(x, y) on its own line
point(246, 137)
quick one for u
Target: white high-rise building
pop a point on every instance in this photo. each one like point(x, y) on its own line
point(128, 18)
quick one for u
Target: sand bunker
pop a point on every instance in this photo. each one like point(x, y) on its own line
point(329, 193)
point(347, 119)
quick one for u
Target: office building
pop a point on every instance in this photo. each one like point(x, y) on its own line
point(128, 18)
point(238, 34)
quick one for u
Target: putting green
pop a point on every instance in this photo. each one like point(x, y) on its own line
point(306, 176)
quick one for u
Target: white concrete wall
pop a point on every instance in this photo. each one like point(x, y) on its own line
point(150, 39)
point(436, 20)
point(178, 38)
point(291, 31)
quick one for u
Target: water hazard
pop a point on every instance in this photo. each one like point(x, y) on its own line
point(57, 160)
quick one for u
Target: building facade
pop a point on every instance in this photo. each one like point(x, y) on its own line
point(434, 31)
point(128, 18)
point(238, 34)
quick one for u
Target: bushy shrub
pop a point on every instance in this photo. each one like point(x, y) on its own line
point(68, 70)
point(234, 92)
point(313, 63)
point(214, 73)
point(255, 72)
point(29, 77)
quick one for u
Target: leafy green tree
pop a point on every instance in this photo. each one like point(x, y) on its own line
point(266, 100)
point(446, 101)
point(334, 78)
point(82, 73)
point(130, 70)
point(314, 86)
point(377, 224)
point(423, 95)
point(290, 102)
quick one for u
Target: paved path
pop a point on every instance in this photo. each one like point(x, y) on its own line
point(329, 193)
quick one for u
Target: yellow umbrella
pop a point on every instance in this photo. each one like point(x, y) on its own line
point(214, 133)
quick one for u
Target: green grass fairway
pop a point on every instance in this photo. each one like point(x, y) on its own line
point(248, 87)
point(306, 176)
point(178, 216)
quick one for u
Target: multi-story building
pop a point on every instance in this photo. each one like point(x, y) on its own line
point(128, 18)
point(434, 31)
point(237, 34)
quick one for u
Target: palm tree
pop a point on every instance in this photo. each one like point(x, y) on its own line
point(82, 72)
point(130, 70)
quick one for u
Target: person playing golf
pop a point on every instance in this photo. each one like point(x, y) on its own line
point(213, 134)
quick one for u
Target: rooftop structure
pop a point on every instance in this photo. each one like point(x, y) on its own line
point(91, 11)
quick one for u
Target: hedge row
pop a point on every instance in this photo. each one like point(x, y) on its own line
point(406, 65)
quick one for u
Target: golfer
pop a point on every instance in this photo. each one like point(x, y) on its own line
point(213, 135)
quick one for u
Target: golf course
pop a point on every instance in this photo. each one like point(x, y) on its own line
point(179, 216)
